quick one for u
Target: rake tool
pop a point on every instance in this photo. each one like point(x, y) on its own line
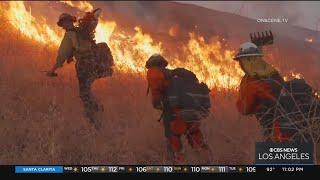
point(262, 39)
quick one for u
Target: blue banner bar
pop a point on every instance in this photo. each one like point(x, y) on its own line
point(39, 169)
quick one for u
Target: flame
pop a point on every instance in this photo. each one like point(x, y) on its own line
point(85, 6)
point(297, 75)
point(317, 94)
point(293, 75)
point(209, 61)
point(81, 5)
point(310, 40)
point(131, 51)
point(173, 31)
point(22, 20)
point(104, 31)
point(68, 3)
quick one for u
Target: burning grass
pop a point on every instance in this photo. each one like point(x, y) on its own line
point(42, 118)
point(42, 122)
point(210, 61)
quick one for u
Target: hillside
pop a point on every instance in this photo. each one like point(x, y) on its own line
point(290, 51)
point(41, 118)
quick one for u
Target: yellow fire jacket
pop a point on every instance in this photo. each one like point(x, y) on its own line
point(71, 45)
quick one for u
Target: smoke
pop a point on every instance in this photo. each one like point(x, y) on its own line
point(170, 23)
point(288, 10)
point(305, 14)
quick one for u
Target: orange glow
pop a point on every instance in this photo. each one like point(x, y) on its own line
point(104, 31)
point(211, 63)
point(173, 31)
point(22, 20)
point(293, 75)
point(81, 5)
point(208, 60)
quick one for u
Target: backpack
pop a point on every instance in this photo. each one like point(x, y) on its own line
point(298, 106)
point(103, 60)
point(296, 92)
point(185, 93)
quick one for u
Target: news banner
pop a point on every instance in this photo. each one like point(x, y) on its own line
point(269, 158)
point(167, 169)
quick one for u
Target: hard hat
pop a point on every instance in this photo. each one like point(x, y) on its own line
point(66, 17)
point(248, 49)
point(156, 60)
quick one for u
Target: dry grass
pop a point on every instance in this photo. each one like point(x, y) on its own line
point(42, 122)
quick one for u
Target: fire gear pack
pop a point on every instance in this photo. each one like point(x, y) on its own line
point(187, 94)
point(100, 52)
point(298, 107)
point(104, 60)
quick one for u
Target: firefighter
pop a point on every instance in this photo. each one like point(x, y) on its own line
point(259, 91)
point(174, 124)
point(79, 43)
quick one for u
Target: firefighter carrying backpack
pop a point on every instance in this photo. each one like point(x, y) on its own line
point(103, 59)
point(188, 95)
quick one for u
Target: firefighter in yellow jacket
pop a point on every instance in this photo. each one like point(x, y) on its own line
point(81, 48)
